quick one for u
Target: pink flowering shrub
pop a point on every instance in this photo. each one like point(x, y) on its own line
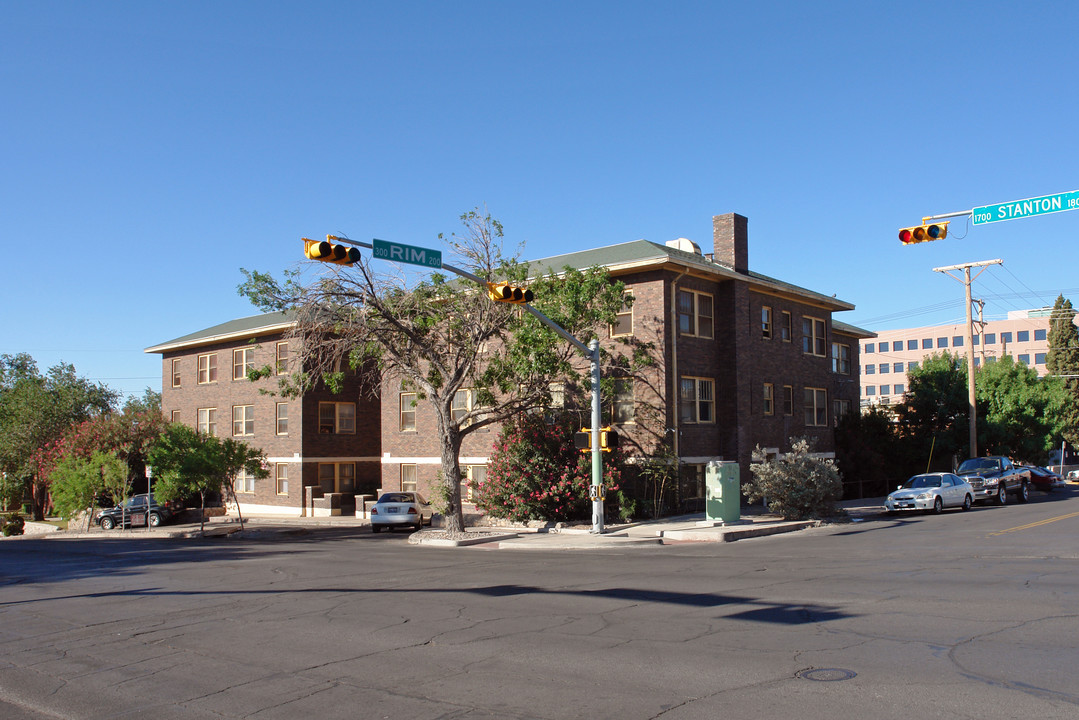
point(535, 473)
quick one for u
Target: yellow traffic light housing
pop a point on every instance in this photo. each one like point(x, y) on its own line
point(327, 251)
point(504, 292)
point(608, 439)
point(923, 233)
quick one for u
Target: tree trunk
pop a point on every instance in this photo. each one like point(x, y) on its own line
point(450, 450)
point(39, 498)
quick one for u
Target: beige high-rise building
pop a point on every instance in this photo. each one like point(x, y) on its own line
point(887, 358)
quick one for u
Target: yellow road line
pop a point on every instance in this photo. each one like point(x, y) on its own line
point(1035, 524)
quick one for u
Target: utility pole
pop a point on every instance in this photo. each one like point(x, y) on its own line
point(971, 400)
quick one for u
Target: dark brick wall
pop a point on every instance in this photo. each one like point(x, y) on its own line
point(303, 441)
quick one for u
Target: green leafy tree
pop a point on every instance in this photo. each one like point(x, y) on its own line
point(440, 337)
point(1062, 360)
point(187, 462)
point(870, 453)
point(1019, 413)
point(535, 473)
point(933, 418)
point(795, 485)
point(76, 482)
point(35, 411)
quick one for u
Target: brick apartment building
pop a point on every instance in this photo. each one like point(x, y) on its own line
point(321, 449)
point(742, 360)
point(887, 358)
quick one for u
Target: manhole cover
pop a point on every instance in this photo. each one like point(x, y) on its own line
point(826, 674)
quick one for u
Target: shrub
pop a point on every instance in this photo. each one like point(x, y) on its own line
point(11, 524)
point(797, 485)
point(536, 474)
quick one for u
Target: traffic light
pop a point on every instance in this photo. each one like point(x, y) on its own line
point(504, 292)
point(923, 233)
point(327, 251)
point(608, 439)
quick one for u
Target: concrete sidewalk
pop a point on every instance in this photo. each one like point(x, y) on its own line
point(666, 531)
point(671, 530)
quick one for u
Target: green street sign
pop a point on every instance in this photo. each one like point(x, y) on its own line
point(1026, 208)
point(399, 252)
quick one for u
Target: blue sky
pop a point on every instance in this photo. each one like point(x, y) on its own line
point(152, 149)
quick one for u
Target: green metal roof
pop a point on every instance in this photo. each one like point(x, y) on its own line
point(242, 327)
point(643, 252)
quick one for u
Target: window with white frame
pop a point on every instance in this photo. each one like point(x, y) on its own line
point(176, 372)
point(766, 322)
point(816, 407)
point(243, 420)
point(207, 421)
point(282, 478)
point(408, 412)
point(622, 401)
point(557, 405)
point(282, 418)
point(245, 482)
point(694, 313)
point(813, 338)
point(785, 326)
point(175, 416)
point(282, 358)
point(337, 417)
point(697, 400)
point(408, 477)
point(243, 360)
point(841, 358)
point(474, 477)
point(769, 399)
point(623, 320)
point(207, 369)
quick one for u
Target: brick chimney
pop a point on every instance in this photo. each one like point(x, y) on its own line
point(730, 233)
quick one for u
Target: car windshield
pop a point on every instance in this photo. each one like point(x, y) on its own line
point(396, 498)
point(975, 464)
point(923, 481)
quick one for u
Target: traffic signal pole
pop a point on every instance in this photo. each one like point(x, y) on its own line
point(591, 351)
point(971, 398)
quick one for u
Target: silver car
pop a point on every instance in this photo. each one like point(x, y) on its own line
point(931, 492)
point(400, 509)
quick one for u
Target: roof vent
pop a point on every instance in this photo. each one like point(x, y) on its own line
point(685, 245)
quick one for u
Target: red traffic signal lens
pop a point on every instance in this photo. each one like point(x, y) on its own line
point(905, 236)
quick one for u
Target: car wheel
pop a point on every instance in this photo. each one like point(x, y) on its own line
point(967, 502)
point(107, 523)
point(376, 528)
point(155, 519)
point(1002, 495)
point(1024, 493)
point(938, 506)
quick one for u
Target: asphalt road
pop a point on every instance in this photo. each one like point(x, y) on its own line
point(964, 615)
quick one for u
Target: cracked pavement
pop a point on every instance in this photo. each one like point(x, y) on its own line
point(933, 616)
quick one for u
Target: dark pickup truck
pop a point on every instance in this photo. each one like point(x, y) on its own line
point(993, 477)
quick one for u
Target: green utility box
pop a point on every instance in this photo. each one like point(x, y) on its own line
point(723, 495)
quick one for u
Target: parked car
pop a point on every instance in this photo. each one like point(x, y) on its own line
point(931, 492)
point(400, 509)
point(138, 510)
point(994, 477)
point(1044, 479)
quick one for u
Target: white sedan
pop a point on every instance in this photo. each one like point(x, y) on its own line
point(931, 492)
point(400, 509)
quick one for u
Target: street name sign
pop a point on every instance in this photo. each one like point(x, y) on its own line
point(1026, 208)
point(399, 252)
